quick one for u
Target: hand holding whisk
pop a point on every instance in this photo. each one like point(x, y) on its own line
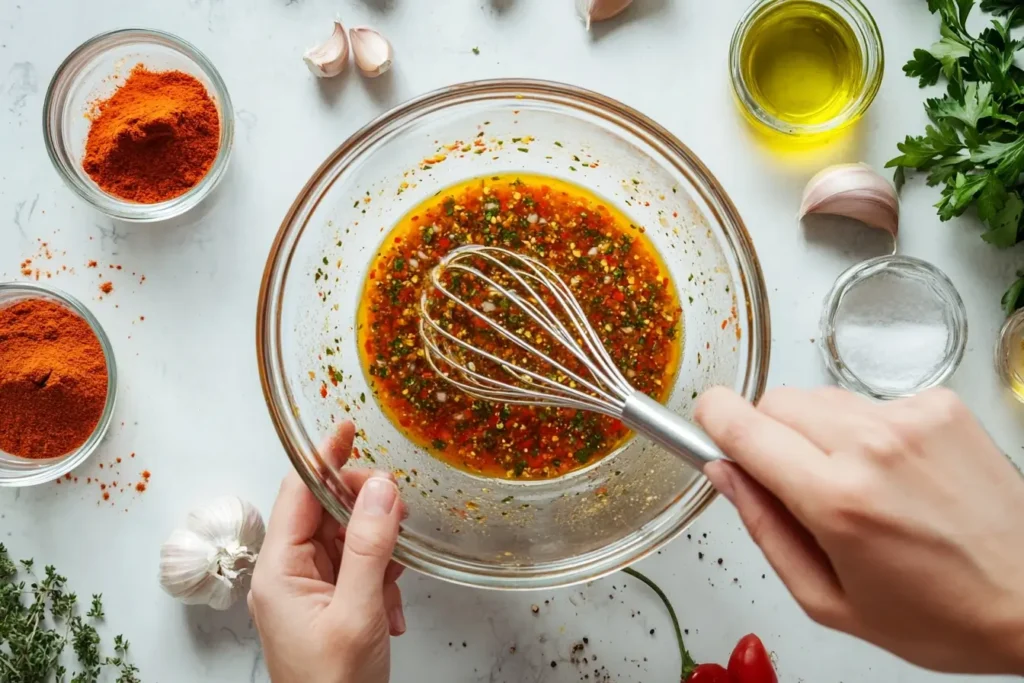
point(536, 346)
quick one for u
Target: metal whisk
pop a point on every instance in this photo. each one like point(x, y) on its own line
point(594, 384)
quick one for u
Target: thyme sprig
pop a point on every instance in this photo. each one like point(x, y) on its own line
point(38, 619)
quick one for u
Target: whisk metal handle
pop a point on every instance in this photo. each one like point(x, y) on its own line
point(676, 434)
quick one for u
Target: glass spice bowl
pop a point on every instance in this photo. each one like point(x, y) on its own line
point(17, 471)
point(872, 54)
point(1009, 355)
point(894, 303)
point(463, 528)
point(93, 71)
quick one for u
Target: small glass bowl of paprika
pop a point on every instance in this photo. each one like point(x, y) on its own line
point(50, 342)
point(139, 124)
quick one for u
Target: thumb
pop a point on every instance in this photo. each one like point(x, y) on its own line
point(369, 541)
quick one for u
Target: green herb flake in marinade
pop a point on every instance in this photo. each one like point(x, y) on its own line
point(612, 268)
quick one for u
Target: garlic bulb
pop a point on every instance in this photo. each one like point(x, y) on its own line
point(330, 57)
point(599, 10)
point(372, 51)
point(205, 562)
point(854, 191)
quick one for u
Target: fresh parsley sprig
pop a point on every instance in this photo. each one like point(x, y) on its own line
point(33, 636)
point(974, 148)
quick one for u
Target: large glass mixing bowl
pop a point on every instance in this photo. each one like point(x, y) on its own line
point(464, 528)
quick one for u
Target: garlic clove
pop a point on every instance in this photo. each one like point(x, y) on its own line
point(330, 57)
point(599, 10)
point(854, 191)
point(372, 51)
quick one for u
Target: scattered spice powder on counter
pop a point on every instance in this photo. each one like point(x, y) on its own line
point(155, 138)
point(107, 287)
point(53, 379)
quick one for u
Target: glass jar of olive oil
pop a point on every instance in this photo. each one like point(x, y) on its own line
point(805, 67)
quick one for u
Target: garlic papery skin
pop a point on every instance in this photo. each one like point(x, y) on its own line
point(599, 10)
point(330, 57)
point(372, 51)
point(854, 191)
point(206, 561)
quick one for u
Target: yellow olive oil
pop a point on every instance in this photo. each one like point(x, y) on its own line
point(801, 62)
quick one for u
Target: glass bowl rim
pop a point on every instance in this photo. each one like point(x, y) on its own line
point(636, 545)
point(873, 58)
point(858, 273)
point(56, 145)
point(50, 469)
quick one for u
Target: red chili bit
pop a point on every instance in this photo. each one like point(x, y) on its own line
point(119, 459)
point(106, 496)
point(107, 287)
point(133, 454)
point(140, 487)
point(91, 264)
point(146, 475)
point(323, 390)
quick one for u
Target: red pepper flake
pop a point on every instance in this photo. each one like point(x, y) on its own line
point(67, 476)
point(146, 475)
point(355, 453)
point(101, 466)
point(140, 487)
point(133, 454)
point(119, 458)
point(725, 323)
point(91, 264)
point(107, 287)
point(103, 487)
point(323, 390)
point(88, 480)
point(106, 496)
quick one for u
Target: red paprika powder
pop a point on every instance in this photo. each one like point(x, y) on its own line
point(154, 139)
point(53, 379)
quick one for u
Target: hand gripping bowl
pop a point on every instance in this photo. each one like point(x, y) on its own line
point(467, 529)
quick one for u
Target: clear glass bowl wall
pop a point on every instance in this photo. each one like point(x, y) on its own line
point(468, 529)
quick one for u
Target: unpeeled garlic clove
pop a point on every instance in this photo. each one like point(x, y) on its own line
point(854, 191)
point(330, 57)
point(599, 10)
point(372, 51)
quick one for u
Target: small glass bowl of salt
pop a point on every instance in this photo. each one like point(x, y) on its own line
point(892, 327)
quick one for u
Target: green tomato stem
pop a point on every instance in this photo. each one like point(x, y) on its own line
point(688, 663)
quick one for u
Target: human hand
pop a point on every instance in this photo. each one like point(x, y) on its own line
point(900, 523)
point(325, 598)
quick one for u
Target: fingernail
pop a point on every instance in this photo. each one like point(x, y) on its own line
point(723, 479)
point(398, 620)
point(378, 496)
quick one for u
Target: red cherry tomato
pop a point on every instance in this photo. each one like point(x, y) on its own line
point(750, 663)
point(709, 673)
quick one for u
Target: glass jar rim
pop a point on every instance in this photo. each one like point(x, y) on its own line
point(869, 38)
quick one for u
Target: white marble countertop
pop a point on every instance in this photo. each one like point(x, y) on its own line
point(190, 404)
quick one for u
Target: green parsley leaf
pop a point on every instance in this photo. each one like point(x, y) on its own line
point(974, 147)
